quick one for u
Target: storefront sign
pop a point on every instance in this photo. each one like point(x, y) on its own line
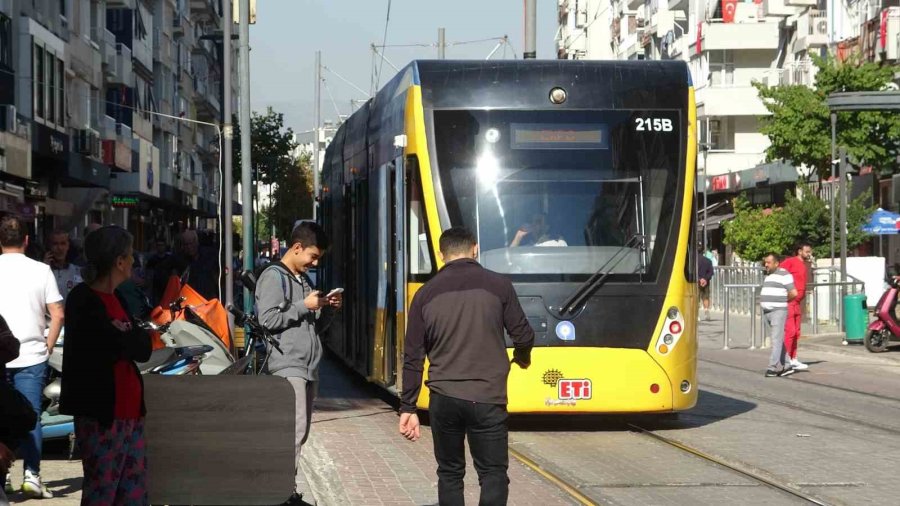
point(720, 183)
point(50, 143)
point(121, 201)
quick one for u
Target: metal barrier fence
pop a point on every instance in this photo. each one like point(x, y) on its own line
point(735, 291)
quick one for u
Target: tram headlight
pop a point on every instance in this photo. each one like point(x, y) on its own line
point(673, 313)
point(668, 339)
point(492, 135)
point(685, 386)
point(558, 95)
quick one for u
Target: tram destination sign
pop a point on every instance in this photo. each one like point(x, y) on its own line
point(559, 136)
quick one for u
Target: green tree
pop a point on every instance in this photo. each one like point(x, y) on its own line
point(292, 197)
point(271, 148)
point(756, 231)
point(799, 128)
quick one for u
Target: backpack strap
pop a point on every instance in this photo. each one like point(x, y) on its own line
point(287, 291)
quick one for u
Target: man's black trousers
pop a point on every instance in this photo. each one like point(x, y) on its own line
point(452, 420)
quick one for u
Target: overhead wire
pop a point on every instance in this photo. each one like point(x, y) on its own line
point(387, 20)
point(333, 102)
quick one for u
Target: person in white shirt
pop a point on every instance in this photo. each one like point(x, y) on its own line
point(67, 275)
point(28, 293)
point(778, 289)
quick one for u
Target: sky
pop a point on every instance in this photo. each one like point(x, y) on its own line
point(287, 34)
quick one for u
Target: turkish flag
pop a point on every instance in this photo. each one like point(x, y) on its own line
point(699, 37)
point(728, 8)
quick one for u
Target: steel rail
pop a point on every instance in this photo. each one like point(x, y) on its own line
point(552, 478)
point(783, 487)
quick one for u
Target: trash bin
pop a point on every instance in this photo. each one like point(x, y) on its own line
point(856, 317)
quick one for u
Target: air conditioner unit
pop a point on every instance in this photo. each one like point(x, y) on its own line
point(95, 143)
point(820, 27)
point(82, 142)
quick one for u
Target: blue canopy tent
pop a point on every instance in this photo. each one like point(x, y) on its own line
point(882, 223)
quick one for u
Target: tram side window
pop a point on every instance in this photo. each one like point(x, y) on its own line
point(419, 253)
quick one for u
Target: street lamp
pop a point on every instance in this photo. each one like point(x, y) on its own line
point(704, 146)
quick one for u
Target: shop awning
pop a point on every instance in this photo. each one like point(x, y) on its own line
point(767, 174)
point(714, 222)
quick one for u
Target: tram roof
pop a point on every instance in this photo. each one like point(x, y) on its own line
point(527, 83)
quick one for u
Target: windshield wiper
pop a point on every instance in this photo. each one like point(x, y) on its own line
point(598, 278)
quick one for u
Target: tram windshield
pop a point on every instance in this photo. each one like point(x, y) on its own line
point(562, 192)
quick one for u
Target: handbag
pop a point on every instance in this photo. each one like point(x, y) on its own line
point(18, 417)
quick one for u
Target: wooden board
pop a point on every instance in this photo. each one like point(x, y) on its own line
point(219, 440)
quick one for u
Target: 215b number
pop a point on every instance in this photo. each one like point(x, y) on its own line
point(653, 124)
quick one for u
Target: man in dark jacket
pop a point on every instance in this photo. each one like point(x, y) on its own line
point(704, 276)
point(457, 319)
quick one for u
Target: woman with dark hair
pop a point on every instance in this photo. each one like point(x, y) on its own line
point(103, 388)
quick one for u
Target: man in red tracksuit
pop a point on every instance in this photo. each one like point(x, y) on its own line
point(797, 265)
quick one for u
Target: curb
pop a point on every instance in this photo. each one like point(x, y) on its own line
point(842, 350)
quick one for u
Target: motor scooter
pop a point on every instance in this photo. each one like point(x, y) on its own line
point(192, 331)
point(168, 361)
point(885, 327)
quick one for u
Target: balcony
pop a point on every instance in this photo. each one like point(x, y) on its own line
point(143, 52)
point(750, 35)
point(206, 98)
point(128, 4)
point(108, 128)
point(729, 100)
point(124, 64)
point(179, 23)
point(812, 31)
point(205, 7)
point(798, 73)
point(777, 8)
point(108, 49)
point(634, 4)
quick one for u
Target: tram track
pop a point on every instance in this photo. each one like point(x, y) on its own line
point(552, 477)
point(734, 467)
point(800, 407)
point(796, 378)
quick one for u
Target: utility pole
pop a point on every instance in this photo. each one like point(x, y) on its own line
point(833, 167)
point(530, 30)
point(246, 175)
point(442, 44)
point(228, 133)
point(843, 219)
point(705, 147)
point(318, 114)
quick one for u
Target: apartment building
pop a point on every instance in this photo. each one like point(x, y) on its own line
point(728, 46)
point(98, 103)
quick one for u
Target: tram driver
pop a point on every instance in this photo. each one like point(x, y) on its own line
point(537, 233)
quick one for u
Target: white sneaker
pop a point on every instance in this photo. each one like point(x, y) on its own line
point(798, 365)
point(33, 488)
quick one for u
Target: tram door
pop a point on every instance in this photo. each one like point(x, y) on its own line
point(356, 349)
point(390, 293)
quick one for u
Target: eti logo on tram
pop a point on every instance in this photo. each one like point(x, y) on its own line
point(574, 389)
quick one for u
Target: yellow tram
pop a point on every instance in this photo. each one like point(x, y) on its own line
point(577, 177)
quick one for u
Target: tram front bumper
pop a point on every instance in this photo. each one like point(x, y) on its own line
point(594, 380)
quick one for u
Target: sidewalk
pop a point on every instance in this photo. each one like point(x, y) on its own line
point(355, 454)
point(711, 335)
